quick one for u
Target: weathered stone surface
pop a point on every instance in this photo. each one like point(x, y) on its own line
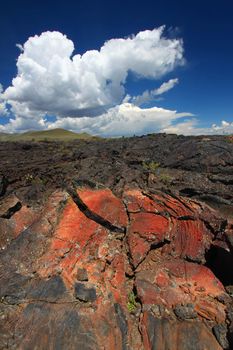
point(84, 293)
point(165, 334)
point(171, 282)
point(220, 331)
point(162, 218)
point(82, 275)
point(185, 312)
point(69, 282)
point(14, 218)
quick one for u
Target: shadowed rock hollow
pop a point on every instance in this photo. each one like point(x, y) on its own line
point(129, 264)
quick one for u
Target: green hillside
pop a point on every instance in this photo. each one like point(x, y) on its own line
point(46, 135)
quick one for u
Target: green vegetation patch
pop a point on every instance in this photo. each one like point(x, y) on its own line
point(151, 166)
point(131, 304)
point(165, 179)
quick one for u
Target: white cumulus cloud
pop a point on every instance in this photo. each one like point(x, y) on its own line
point(125, 119)
point(20, 47)
point(166, 86)
point(190, 127)
point(3, 108)
point(51, 79)
point(151, 95)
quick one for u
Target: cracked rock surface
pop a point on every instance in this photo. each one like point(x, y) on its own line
point(122, 244)
point(112, 272)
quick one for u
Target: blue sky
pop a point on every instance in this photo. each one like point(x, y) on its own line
point(205, 85)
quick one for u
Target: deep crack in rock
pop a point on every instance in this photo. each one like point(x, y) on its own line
point(90, 214)
point(11, 211)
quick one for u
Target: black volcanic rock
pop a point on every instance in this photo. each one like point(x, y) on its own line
point(3, 185)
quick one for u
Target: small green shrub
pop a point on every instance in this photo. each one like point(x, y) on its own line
point(151, 166)
point(166, 179)
point(132, 304)
point(29, 178)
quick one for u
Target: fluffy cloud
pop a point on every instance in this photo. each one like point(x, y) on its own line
point(166, 86)
point(125, 119)
point(153, 94)
point(88, 92)
point(3, 108)
point(190, 127)
point(51, 80)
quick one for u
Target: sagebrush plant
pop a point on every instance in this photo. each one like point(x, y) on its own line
point(165, 178)
point(151, 166)
point(132, 304)
point(29, 177)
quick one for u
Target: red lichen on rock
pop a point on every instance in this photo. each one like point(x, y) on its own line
point(165, 219)
point(146, 229)
point(76, 274)
point(170, 281)
point(190, 239)
point(105, 204)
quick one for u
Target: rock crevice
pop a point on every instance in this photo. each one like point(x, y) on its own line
point(90, 214)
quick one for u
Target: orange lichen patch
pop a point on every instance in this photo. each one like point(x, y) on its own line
point(136, 201)
point(198, 276)
point(105, 204)
point(190, 239)
point(203, 278)
point(162, 280)
point(59, 244)
point(151, 294)
point(78, 240)
point(146, 229)
point(80, 272)
point(174, 281)
point(138, 248)
point(74, 226)
point(210, 310)
point(118, 280)
point(150, 226)
point(160, 203)
point(175, 207)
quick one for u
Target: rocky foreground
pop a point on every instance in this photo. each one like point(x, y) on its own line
point(120, 244)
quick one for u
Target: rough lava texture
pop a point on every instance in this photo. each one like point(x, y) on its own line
point(137, 280)
point(132, 264)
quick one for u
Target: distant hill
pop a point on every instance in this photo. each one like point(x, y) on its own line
point(47, 135)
